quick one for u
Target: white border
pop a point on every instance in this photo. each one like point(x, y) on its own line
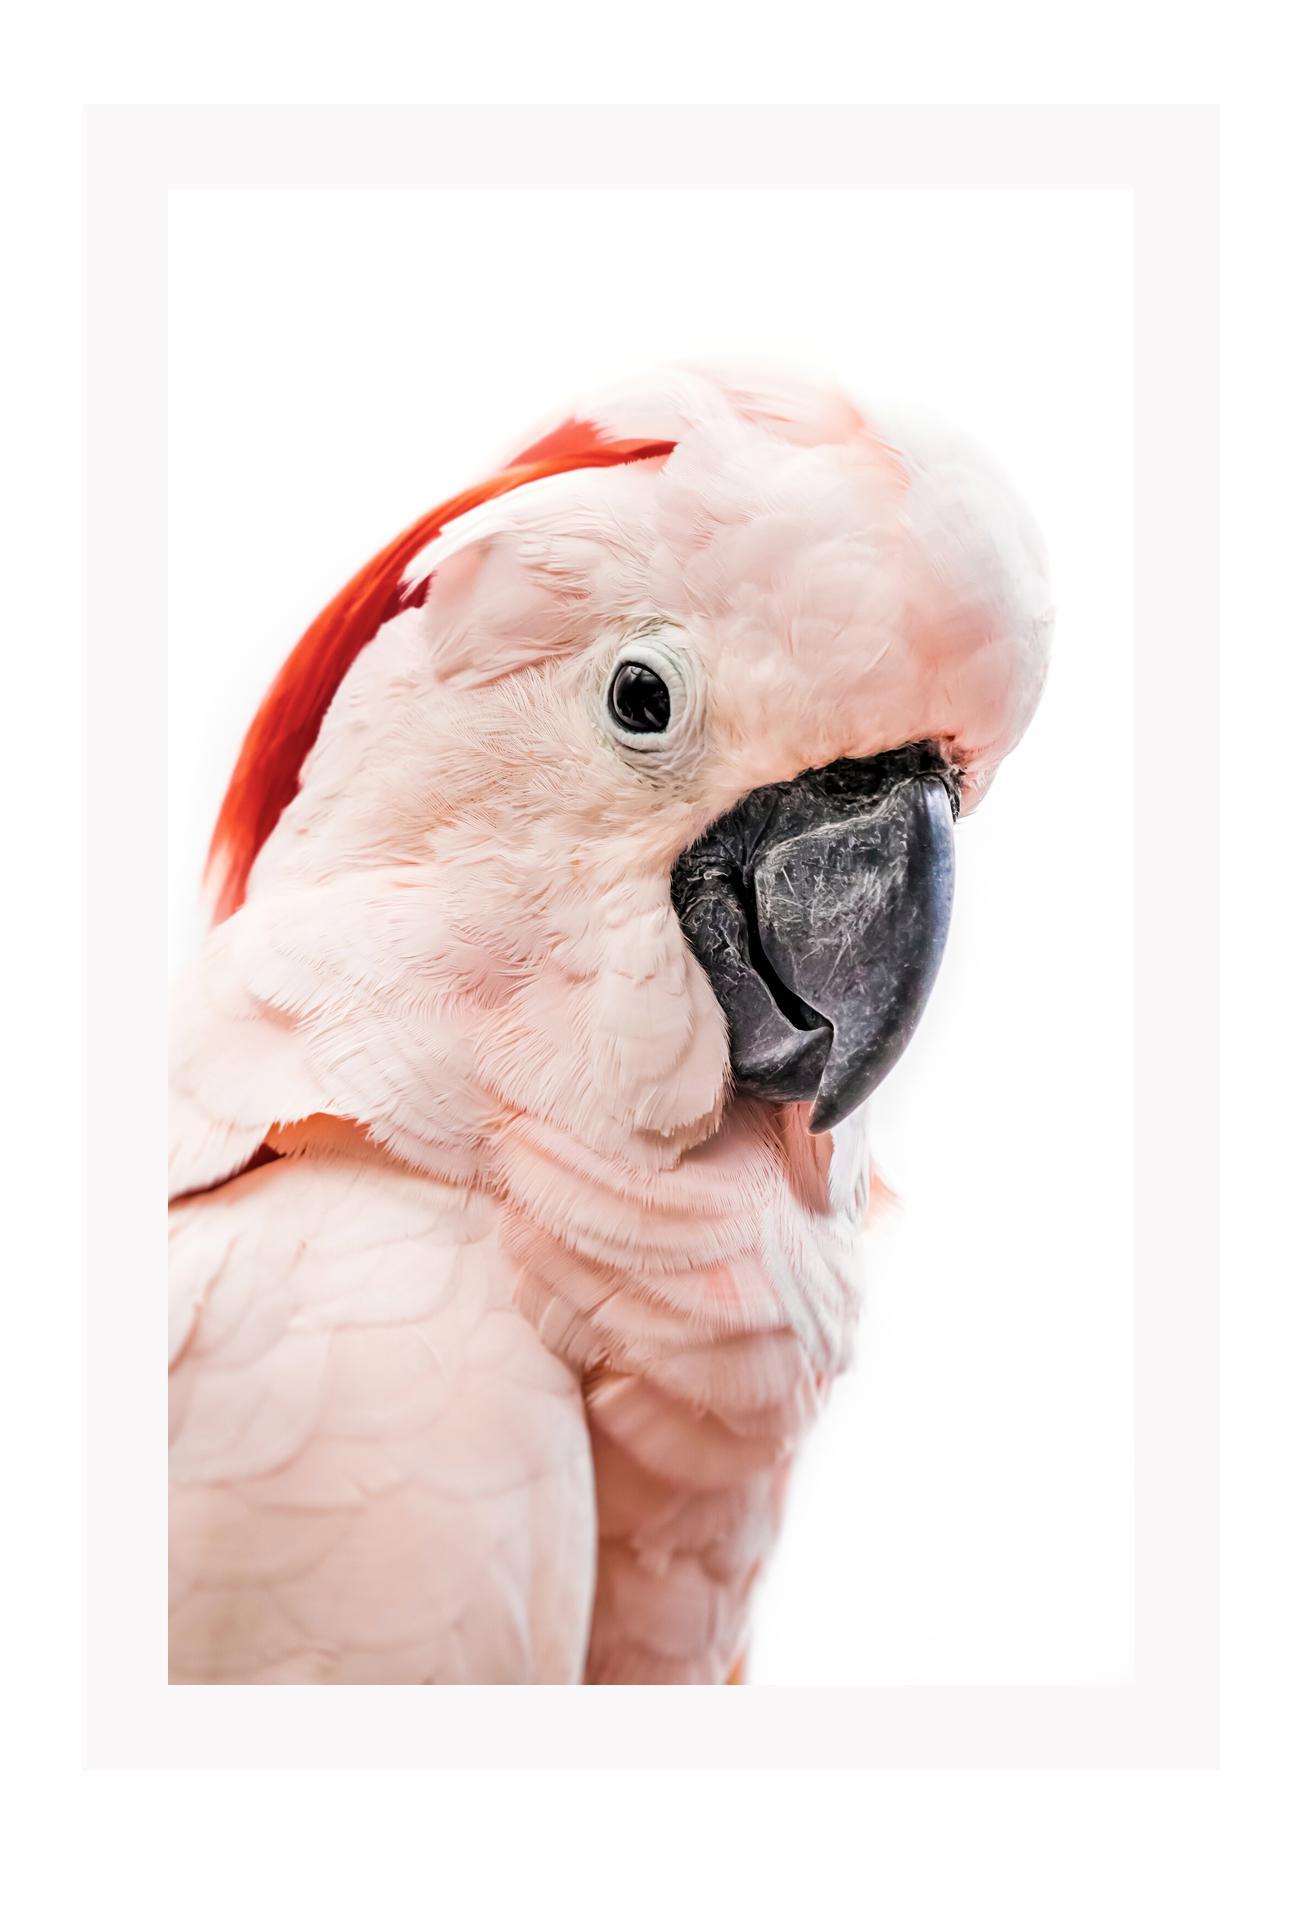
point(1166, 157)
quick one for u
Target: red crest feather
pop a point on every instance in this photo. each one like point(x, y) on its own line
point(285, 727)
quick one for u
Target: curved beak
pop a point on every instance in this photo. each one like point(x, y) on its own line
point(819, 909)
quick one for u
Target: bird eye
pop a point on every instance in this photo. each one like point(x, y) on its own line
point(639, 699)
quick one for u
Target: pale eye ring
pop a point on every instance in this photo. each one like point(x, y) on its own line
point(651, 695)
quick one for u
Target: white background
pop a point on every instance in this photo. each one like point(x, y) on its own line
point(341, 361)
point(913, 1837)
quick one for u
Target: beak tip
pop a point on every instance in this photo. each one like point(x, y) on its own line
point(830, 1110)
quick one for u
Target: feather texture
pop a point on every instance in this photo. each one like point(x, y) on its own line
point(266, 774)
point(498, 1369)
point(378, 1474)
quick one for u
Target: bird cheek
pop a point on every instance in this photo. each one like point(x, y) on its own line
point(659, 1038)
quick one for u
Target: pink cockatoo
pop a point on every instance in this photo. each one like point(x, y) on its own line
point(586, 867)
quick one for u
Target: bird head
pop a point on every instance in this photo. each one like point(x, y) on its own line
point(669, 721)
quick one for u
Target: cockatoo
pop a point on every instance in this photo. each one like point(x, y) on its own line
point(586, 867)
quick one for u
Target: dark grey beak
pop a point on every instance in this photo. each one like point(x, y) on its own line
point(819, 910)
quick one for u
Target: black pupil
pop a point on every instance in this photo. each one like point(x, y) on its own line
point(640, 699)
